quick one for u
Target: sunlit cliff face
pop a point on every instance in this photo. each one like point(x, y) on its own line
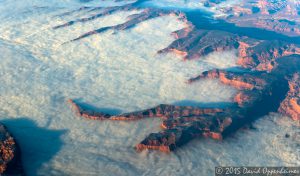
point(120, 69)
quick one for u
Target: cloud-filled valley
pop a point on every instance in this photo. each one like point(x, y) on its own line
point(118, 71)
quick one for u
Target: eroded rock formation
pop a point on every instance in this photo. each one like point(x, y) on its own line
point(10, 163)
point(291, 105)
point(180, 124)
point(202, 38)
point(270, 80)
point(262, 55)
point(193, 43)
point(279, 16)
point(184, 123)
point(254, 54)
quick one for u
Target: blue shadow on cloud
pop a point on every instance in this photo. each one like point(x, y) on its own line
point(111, 111)
point(203, 104)
point(37, 145)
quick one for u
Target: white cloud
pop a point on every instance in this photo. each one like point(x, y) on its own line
point(119, 70)
point(184, 5)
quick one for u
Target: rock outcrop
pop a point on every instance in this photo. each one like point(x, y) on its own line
point(238, 80)
point(291, 105)
point(262, 55)
point(278, 16)
point(10, 158)
point(183, 123)
point(180, 124)
point(164, 111)
point(194, 43)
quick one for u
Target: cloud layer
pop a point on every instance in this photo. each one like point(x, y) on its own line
point(119, 71)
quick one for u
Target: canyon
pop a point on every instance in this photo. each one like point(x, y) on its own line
point(268, 75)
point(91, 87)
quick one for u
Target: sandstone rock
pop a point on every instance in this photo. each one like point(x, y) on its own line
point(238, 80)
point(262, 56)
point(132, 21)
point(291, 105)
point(279, 16)
point(184, 123)
point(194, 43)
point(10, 158)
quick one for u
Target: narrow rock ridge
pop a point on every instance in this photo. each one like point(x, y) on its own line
point(180, 124)
point(164, 111)
point(238, 80)
point(105, 11)
point(184, 123)
point(133, 20)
